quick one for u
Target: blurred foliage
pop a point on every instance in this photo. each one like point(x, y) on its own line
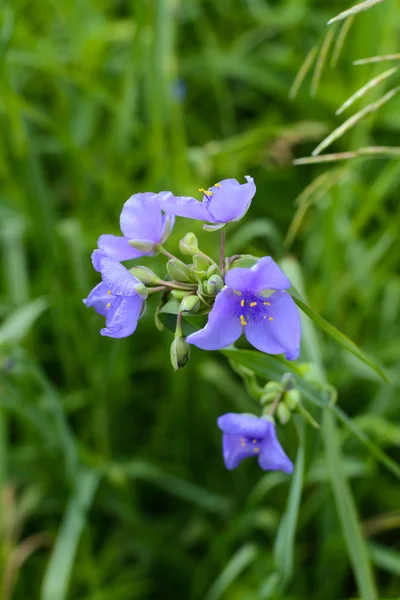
point(112, 483)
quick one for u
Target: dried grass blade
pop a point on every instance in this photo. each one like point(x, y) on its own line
point(354, 10)
point(372, 151)
point(354, 119)
point(365, 88)
point(321, 60)
point(375, 59)
point(344, 30)
point(305, 67)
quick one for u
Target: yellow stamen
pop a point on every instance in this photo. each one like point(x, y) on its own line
point(217, 185)
point(270, 318)
point(207, 193)
point(267, 303)
point(237, 292)
point(242, 303)
point(254, 441)
point(256, 449)
point(109, 292)
point(242, 320)
point(253, 304)
point(108, 305)
point(201, 189)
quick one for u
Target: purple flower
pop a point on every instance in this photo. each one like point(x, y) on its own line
point(116, 297)
point(271, 323)
point(225, 201)
point(141, 222)
point(247, 435)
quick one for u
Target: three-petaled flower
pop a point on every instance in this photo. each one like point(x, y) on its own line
point(225, 201)
point(245, 436)
point(116, 297)
point(271, 322)
point(143, 224)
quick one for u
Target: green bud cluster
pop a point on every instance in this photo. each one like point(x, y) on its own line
point(286, 397)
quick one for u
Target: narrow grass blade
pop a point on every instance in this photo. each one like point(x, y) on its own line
point(354, 119)
point(339, 337)
point(304, 69)
point(365, 88)
point(285, 539)
point(238, 563)
point(321, 60)
point(59, 570)
point(354, 10)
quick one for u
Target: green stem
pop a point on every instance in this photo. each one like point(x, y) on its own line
point(177, 286)
point(221, 252)
point(162, 250)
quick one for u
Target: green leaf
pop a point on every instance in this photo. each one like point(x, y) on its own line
point(285, 539)
point(339, 337)
point(239, 561)
point(59, 569)
point(18, 323)
point(347, 511)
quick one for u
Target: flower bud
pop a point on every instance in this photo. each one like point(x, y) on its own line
point(144, 246)
point(189, 244)
point(141, 290)
point(178, 294)
point(190, 304)
point(180, 351)
point(178, 270)
point(292, 399)
point(283, 413)
point(200, 263)
point(145, 275)
point(214, 285)
point(271, 391)
point(213, 270)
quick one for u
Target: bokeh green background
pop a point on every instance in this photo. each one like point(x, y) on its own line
point(112, 480)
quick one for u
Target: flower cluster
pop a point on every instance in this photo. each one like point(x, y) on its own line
point(236, 299)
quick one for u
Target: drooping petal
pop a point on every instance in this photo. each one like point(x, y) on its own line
point(98, 298)
point(280, 331)
point(185, 206)
point(243, 425)
point(272, 456)
point(168, 225)
point(123, 316)
point(96, 255)
point(117, 247)
point(233, 451)
point(223, 327)
point(262, 276)
point(231, 200)
point(141, 218)
point(117, 278)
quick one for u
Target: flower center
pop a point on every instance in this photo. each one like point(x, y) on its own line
point(209, 193)
point(250, 445)
point(253, 309)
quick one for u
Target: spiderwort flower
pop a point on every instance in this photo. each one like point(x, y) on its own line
point(116, 297)
point(225, 201)
point(247, 435)
point(270, 323)
point(144, 227)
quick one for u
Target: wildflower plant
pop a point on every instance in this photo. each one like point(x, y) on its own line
point(209, 303)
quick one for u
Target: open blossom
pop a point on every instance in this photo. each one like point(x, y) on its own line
point(116, 297)
point(225, 201)
point(142, 222)
point(271, 323)
point(245, 436)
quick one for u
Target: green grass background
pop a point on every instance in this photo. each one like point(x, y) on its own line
point(112, 480)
